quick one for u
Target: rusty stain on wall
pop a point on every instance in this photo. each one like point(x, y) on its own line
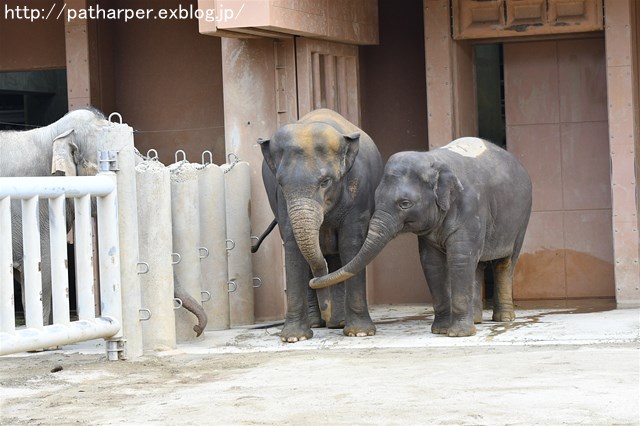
point(562, 273)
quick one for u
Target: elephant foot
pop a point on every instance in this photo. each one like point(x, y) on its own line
point(362, 327)
point(461, 329)
point(316, 322)
point(440, 325)
point(335, 324)
point(295, 332)
point(477, 318)
point(504, 315)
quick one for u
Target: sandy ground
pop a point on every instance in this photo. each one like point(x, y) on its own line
point(548, 367)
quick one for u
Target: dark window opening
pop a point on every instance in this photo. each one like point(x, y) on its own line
point(32, 98)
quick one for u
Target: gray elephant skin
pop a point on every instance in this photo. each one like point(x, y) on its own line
point(469, 203)
point(320, 175)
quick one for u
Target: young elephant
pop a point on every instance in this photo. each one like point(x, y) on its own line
point(469, 204)
point(320, 175)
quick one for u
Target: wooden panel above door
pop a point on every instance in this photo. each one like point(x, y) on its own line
point(328, 77)
point(479, 19)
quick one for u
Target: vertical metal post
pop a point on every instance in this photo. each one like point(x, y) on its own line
point(32, 263)
point(119, 138)
point(59, 261)
point(110, 282)
point(84, 257)
point(7, 305)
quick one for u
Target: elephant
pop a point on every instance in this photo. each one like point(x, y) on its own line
point(65, 147)
point(320, 175)
point(469, 204)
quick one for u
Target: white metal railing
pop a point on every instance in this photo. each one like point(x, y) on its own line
point(30, 191)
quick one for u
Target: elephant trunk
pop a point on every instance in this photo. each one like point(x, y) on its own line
point(382, 229)
point(306, 217)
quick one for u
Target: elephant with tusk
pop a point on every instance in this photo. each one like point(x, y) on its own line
point(320, 175)
point(469, 203)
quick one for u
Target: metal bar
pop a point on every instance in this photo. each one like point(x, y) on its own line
point(57, 334)
point(120, 139)
point(84, 258)
point(109, 253)
point(50, 187)
point(59, 261)
point(7, 305)
point(32, 262)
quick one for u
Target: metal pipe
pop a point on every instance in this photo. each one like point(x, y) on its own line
point(84, 258)
point(7, 305)
point(59, 261)
point(119, 138)
point(30, 339)
point(31, 275)
point(46, 187)
point(109, 253)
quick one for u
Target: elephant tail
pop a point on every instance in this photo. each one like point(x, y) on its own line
point(192, 305)
point(265, 234)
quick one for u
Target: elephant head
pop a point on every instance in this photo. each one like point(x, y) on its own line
point(309, 161)
point(414, 195)
point(75, 142)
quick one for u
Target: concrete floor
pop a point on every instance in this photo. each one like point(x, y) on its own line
point(552, 365)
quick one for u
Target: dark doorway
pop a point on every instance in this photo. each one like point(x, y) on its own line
point(491, 112)
point(490, 93)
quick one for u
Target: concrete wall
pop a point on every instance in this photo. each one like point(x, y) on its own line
point(622, 81)
point(249, 100)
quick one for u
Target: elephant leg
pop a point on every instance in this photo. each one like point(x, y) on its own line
point(433, 265)
point(331, 299)
point(477, 293)
point(47, 314)
point(315, 318)
point(503, 290)
point(296, 325)
point(461, 274)
point(351, 237)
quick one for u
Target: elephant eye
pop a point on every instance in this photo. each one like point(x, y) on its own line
point(405, 204)
point(325, 183)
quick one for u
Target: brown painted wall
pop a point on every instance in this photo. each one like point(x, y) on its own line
point(394, 114)
point(167, 82)
point(393, 87)
point(26, 45)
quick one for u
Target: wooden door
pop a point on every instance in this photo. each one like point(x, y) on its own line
point(328, 77)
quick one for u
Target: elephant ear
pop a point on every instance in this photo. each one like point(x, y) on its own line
point(65, 153)
point(353, 146)
point(447, 185)
point(266, 153)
